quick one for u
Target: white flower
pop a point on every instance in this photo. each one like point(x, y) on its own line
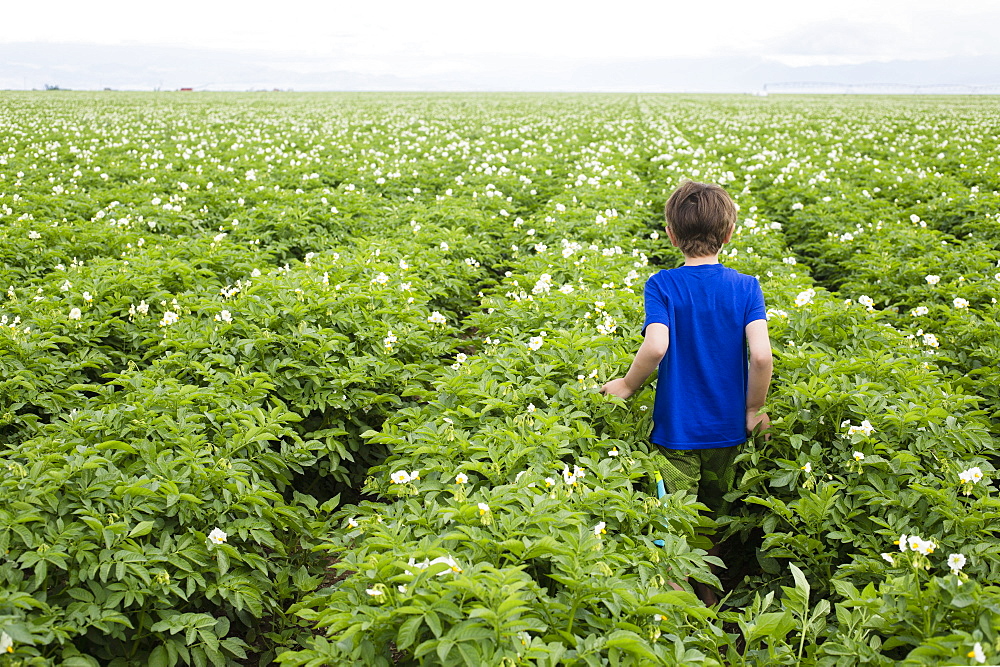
point(797, 206)
point(484, 508)
point(87, 297)
point(224, 316)
point(599, 529)
point(613, 452)
point(858, 456)
point(919, 545)
point(217, 536)
point(255, 273)
point(218, 237)
point(6, 643)
point(33, 235)
point(805, 297)
point(444, 246)
point(902, 542)
point(571, 478)
point(960, 302)
point(461, 357)
point(919, 310)
point(932, 279)
point(535, 342)
point(914, 218)
point(866, 301)
point(461, 478)
point(971, 476)
point(375, 592)
point(389, 339)
point(808, 467)
point(865, 429)
point(380, 279)
point(352, 522)
point(930, 340)
point(888, 559)
point(447, 560)
point(400, 477)
point(75, 314)
point(436, 318)
point(608, 326)
point(531, 407)
point(543, 285)
point(169, 317)
point(549, 481)
point(977, 653)
point(956, 562)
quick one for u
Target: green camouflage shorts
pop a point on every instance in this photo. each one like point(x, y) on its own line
point(707, 473)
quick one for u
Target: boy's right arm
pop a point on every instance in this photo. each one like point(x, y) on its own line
point(651, 352)
point(761, 367)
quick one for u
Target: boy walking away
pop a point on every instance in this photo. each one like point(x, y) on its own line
point(706, 332)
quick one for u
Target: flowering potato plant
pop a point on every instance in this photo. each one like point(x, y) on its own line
point(314, 380)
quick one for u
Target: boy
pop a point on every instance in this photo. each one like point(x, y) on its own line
point(701, 320)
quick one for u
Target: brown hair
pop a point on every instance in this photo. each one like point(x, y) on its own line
point(700, 215)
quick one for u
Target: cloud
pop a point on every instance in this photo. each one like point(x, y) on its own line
point(917, 36)
point(840, 38)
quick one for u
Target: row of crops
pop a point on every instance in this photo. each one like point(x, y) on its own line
point(315, 380)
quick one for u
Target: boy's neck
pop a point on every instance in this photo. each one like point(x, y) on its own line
point(698, 261)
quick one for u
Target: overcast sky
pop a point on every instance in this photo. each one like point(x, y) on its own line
point(407, 38)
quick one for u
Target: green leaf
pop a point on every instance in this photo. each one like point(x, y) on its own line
point(773, 625)
point(444, 648)
point(142, 528)
point(408, 632)
point(222, 559)
point(158, 657)
point(801, 582)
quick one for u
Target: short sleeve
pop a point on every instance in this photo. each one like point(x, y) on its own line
point(755, 304)
point(656, 305)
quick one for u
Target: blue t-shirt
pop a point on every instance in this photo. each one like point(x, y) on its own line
point(701, 387)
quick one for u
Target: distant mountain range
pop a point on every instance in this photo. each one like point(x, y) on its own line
point(137, 67)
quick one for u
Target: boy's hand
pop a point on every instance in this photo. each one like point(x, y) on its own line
point(617, 388)
point(758, 423)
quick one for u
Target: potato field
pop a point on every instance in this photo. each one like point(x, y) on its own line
point(313, 379)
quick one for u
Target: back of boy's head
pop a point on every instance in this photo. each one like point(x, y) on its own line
point(700, 216)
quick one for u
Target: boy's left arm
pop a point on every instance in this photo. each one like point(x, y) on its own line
point(759, 377)
point(654, 347)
